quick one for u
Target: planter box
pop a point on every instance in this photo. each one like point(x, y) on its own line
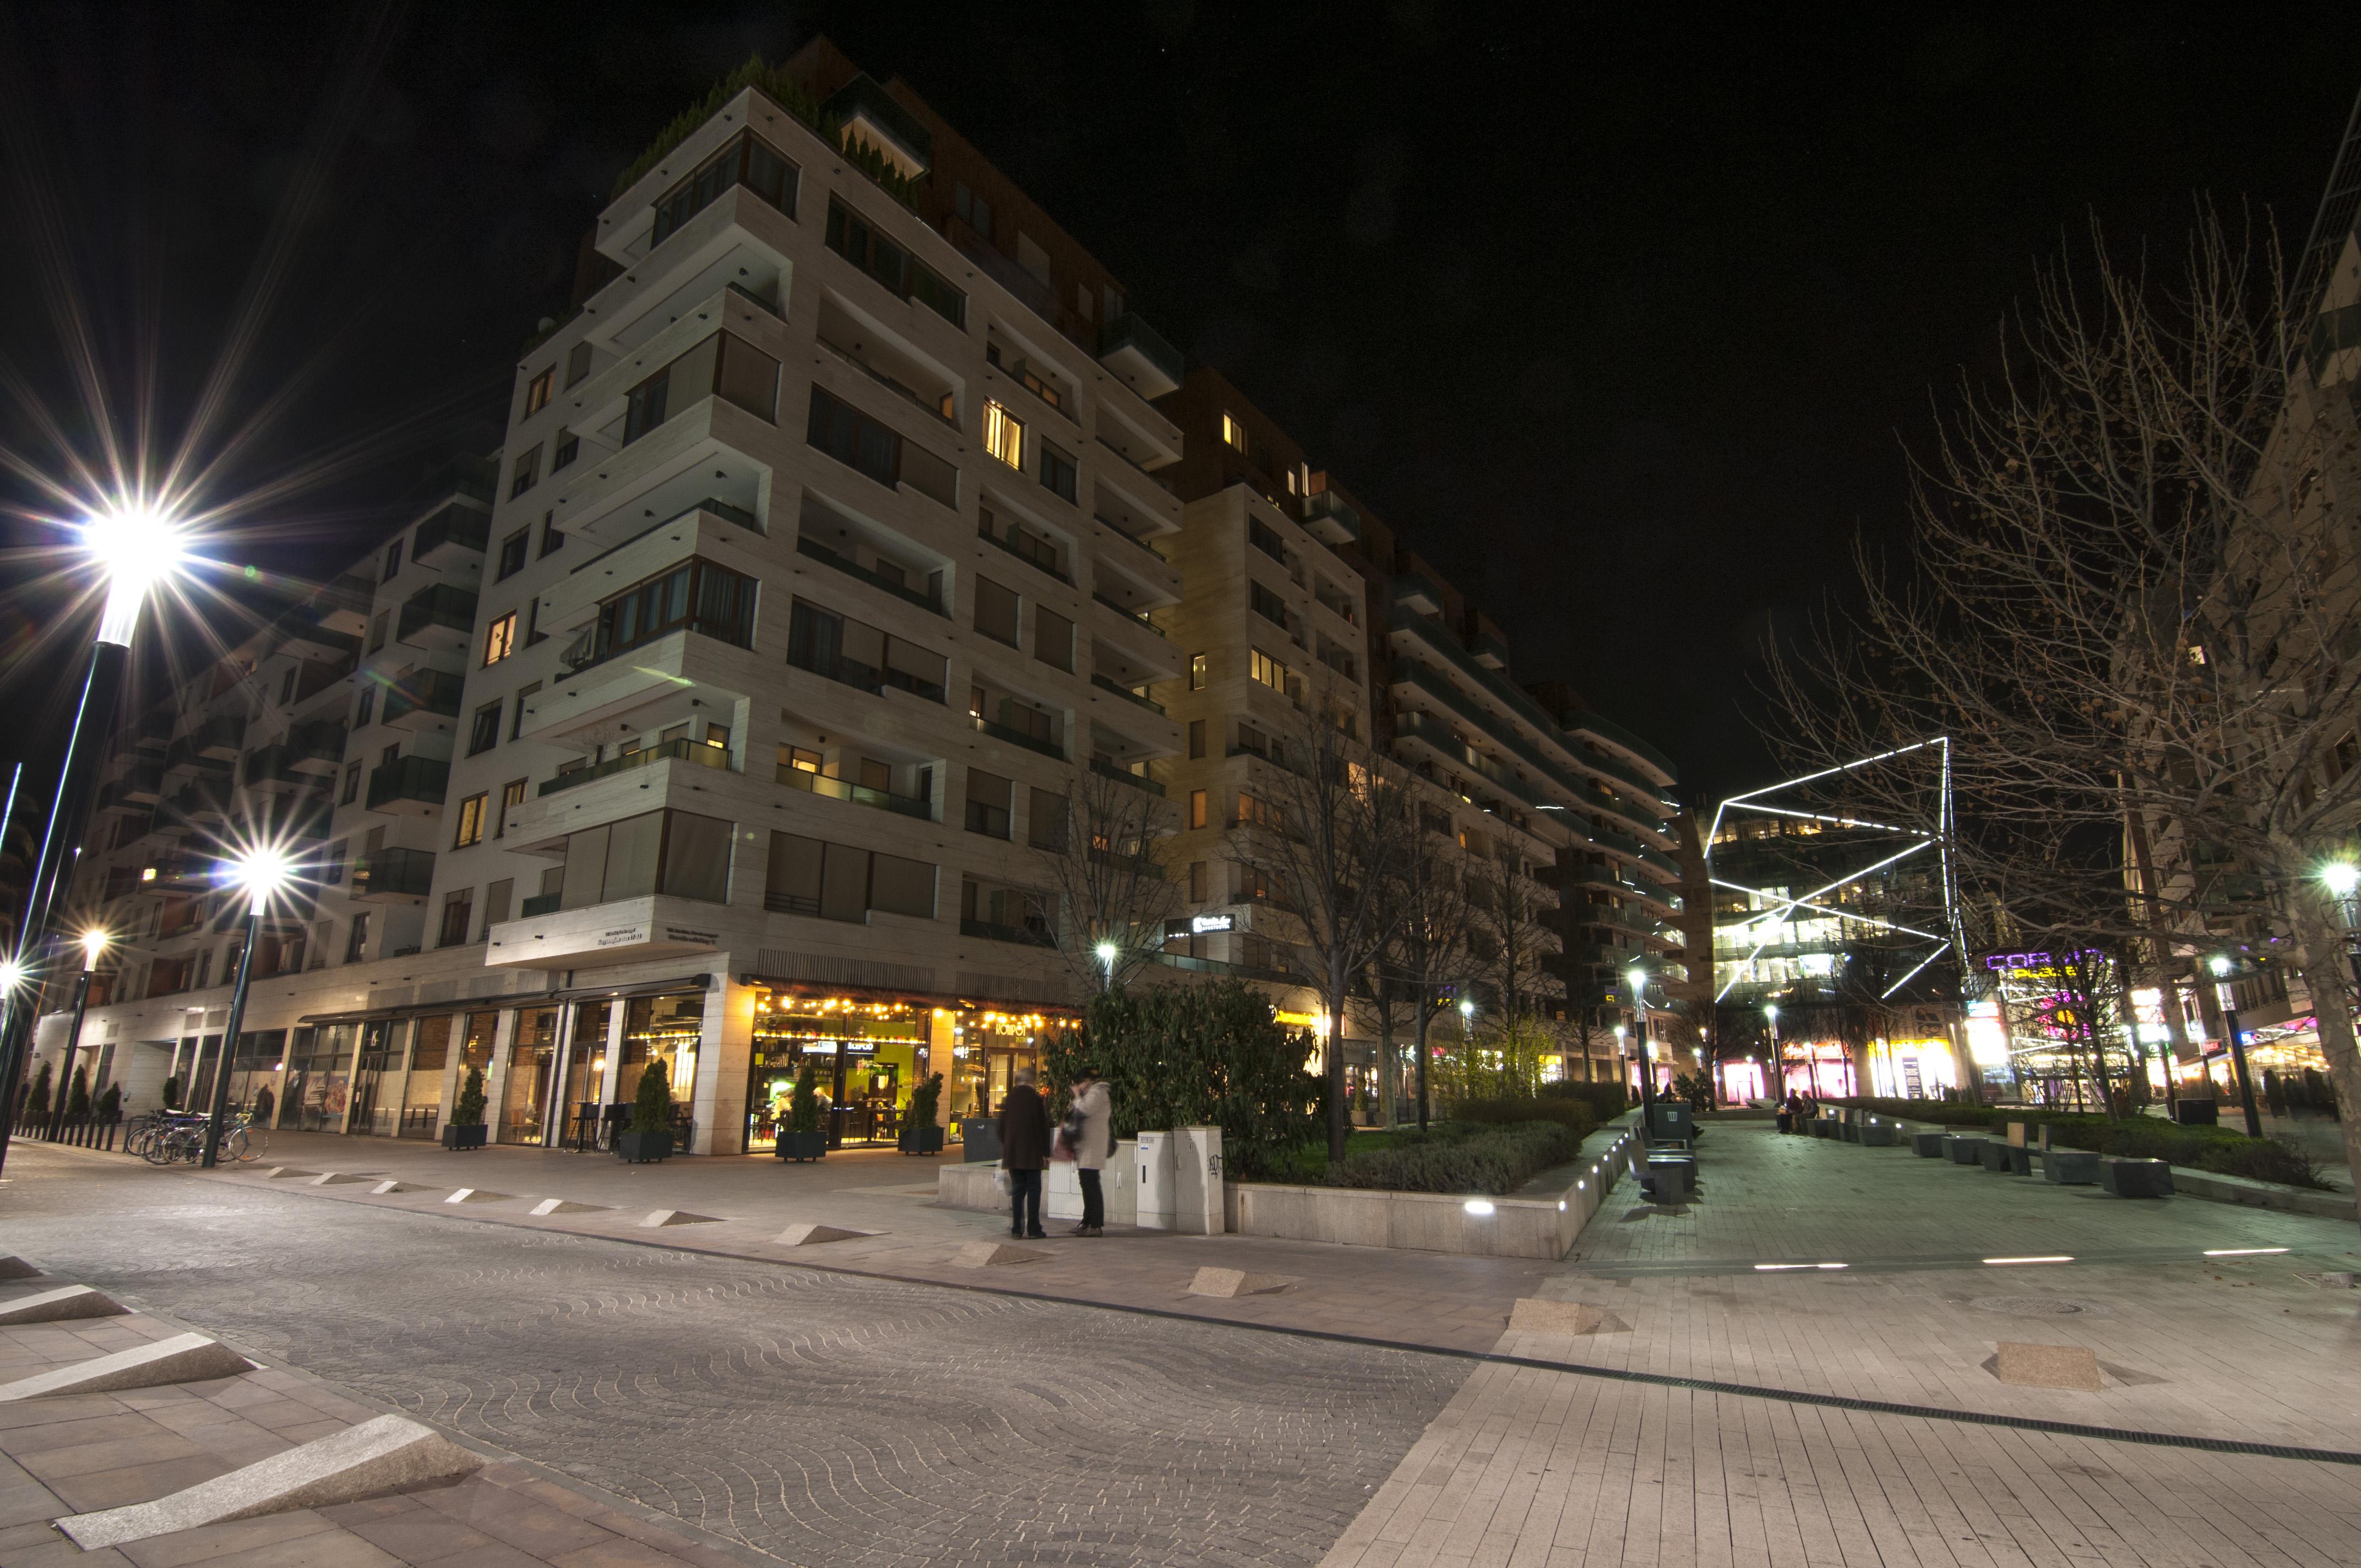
point(802, 1145)
point(465, 1137)
point(1928, 1145)
point(2135, 1177)
point(980, 1139)
point(927, 1139)
point(643, 1148)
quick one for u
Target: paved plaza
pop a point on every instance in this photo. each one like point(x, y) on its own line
point(888, 1408)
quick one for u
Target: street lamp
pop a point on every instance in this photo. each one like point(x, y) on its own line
point(2222, 966)
point(93, 942)
point(1106, 952)
point(261, 873)
point(135, 546)
point(2344, 879)
point(1637, 979)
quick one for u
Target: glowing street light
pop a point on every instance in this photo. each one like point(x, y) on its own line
point(261, 873)
point(135, 545)
point(1107, 951)
point(2225, 969)
point(94, 942)
point(2344, 879)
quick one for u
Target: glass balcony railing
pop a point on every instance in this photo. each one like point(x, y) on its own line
point(859, 794)
point(539, 903)
point(826, 557)
point(1017, 736)
point(421, 781)
point(699, 753)
point(1126, 692)
point(1025, 934)
point(1137, 780)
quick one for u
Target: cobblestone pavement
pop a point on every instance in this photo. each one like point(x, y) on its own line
point(821, 1418)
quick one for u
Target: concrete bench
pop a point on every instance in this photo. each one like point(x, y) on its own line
point(2069, 1167)
point(1825, 1127)
point(1928, 1145)
point(1995, 1155)
point(2135, 1177)
point(2020, 1159)
point(1964, 1150)
point(1669, 1179)
point(1850, 1129)
point(1877, 1136)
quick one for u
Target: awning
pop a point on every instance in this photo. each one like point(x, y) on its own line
point(698, 982)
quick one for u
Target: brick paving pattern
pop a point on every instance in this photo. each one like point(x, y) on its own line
point(816, 1417)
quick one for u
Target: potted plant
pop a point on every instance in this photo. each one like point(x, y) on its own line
point(466, 1128)
point(802, 1139)
point(648, 1138)
point(171, 1094)
point(37, 1100)
point(919, 1132)
point(110, 1103)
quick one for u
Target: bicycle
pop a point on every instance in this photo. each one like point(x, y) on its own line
point(183, 1138)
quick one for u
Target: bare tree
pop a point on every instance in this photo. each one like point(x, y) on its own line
point(1102, 856)
point(1426, 951)
point(1506, 934)
point(1326, 830)
point(2134, 602)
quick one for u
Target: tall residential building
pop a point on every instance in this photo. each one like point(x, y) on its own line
point(728, 716)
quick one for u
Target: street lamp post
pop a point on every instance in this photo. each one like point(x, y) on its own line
point(135, 548)
point(260, 874)
point(2221, 967)
point(2344, 879)
point(93, 943)
point(1771, 1012)
point(1638, 977)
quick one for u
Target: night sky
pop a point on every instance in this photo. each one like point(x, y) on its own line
point(1624, 321)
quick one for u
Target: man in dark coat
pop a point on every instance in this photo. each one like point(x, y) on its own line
point(1024, 1154)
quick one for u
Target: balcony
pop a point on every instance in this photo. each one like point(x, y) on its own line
point(612, 700)
point(1417, 592)
point(1137, 780)
point(142, 785)
point(451, 535)
point(394, 876)
point(699, 753)
point(1438, 737)
point(420, 700)
point(1141, 357)
point(1330, 517)
point(826, 557)
point(859, 794)
point(220, 738)
point(1126, 694)
point(612, 931)
point(1016, 736)
point(409, 786)
point(1489, 651)
point(1024, 935)
point(440, 618)
point(271, 770)
point(538, 905)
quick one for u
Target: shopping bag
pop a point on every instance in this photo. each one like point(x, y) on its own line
point(1000, 1181)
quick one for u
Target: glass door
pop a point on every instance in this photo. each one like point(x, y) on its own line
point(525, 1101)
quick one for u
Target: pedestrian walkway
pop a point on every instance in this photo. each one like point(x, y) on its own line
point(1530, 1466)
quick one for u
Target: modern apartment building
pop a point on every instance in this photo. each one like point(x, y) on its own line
point(724, 717)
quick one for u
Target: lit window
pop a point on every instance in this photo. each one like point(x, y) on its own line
point(1196, 672)
point(536, 392)
point(2196, 653)
point(1003, 436)
point(1233, 432)
point(1267, 670)
point(500, 638)
point(471, 823)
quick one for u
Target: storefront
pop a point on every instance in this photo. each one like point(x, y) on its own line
point(524, 1100)
point(869, 1050)
point(1820, 1069)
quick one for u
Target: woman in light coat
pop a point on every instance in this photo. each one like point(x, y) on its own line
point(1091, 1124)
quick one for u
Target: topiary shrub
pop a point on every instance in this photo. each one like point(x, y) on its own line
point(468, 1110)
point(925, 1097)
point(36, 1098)
point(171, 1095)
point(803, 1105)
point(110, 1103)
point(78, 1096)
point(652, 1109)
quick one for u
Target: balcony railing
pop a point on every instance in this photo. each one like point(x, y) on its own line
point(826, 557)
point(539, 903)
point(704, 753)
point(859, 794)
point(1126, 692)
point(1025, 934)
point(1137, 780)
point(1016, 736)
point(1137, 616)
point(394, 873)
point(453, 610)
point(433, 692)
point(420, 779)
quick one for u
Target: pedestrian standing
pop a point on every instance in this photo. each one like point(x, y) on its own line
point(1024, 1154)
point(1091, 1122)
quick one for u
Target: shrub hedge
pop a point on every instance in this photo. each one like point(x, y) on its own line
point(1606, 1101)
point(2222, 1150)
point(1461, 1158)
point(1570, 1113)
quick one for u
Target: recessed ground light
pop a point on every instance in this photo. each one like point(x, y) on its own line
point(1480, 1207)
point(1784, 1267)
point(2059, 1258)
point(2240, 1251)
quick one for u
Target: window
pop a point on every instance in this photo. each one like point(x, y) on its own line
point(798, 759)
point(471, 823)
point(836, 882)
point(860, 443)
point(1196, 881)
point(645, 408)
point(1053, 638)
point(356, 944)
point(528, 473)
point(364, 709)
point(676, 853)
point(1196, 672)
point(524, 695)
point(839, 648)
point(1267, 670)
point(551, 540)
point(2347, 753)
point(971, 208)
point(392, 561)
point(458, 905)
point(1265, 538)
point(988, 798)
point(565, 449)
point(1021, 541)
point(1058, 472)
point(1196, 738)
point(996, 610)
point(485, 732)
point(536, 391)
point(747, 162)
point(850, 236)
point(1196, 808)
point(1003, 436)
point(1045, 821)
point(512, 553)
point(712, 600)
point(511, 795)
point(577, 364)
point(748, 378)
point(500, 638)
point(352, 790)
point(1266, 603)
point(1232, 433)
